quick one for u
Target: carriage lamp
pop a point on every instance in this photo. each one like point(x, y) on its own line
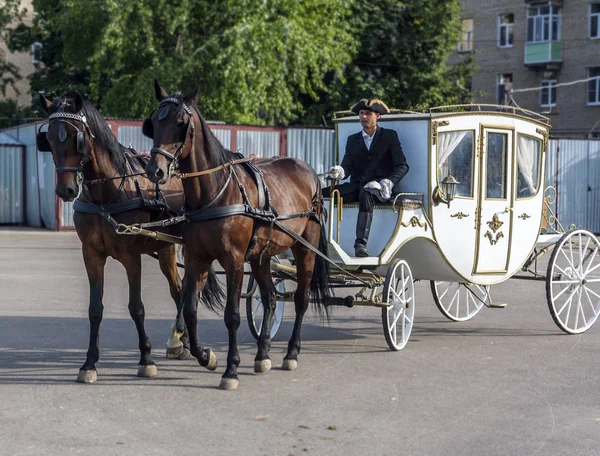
point(446, 191)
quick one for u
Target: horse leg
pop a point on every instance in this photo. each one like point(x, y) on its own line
point(235, 277)
point(304, 268)
point(133, 267)
point(262, 275)
point(94, 265)
point(177, 347)
point(194, 279)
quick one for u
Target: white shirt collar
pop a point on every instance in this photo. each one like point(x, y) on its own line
point(365, 135)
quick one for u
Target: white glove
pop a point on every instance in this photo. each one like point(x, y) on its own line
point(337, 172)
point(382, 189)
point(386, 188)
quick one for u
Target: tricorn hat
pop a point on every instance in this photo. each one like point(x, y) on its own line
point(371, 104)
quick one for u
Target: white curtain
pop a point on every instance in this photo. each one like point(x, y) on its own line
point(527, 155)
point(447, 142)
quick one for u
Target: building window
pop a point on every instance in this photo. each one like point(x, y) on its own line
point(466, 39)
point(548, 95)
point(504, 89)
point(543, 24)
point(595, 20)
point(594, 86)
point(505, 30)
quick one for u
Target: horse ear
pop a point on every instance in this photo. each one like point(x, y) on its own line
point(191, 96)
point(45, 103)
point(78, 102)
point(159, 92)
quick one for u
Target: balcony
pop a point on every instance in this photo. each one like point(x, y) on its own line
point(546, 54)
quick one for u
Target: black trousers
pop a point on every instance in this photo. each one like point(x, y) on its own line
point(353, 192)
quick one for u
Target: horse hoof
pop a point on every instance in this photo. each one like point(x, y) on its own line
point(263, 366)
point(176, 352)
point(147, 371)
point(289, 364)
point(212, 361)
point(87, 376)
point(229, 384)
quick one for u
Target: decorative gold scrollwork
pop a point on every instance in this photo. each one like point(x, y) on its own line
point(459, 215)
point(524, 216)
point(495, 223)
point(434, 128)
point(414, 221)
point(493, 240)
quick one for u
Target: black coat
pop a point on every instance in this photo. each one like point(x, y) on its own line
point(384, 160)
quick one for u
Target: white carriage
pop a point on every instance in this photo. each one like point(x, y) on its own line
point(470, 213)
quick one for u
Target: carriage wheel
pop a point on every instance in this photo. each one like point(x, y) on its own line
point(399, 293)
point(573, 282)
point(459, 301)
point(255, 309)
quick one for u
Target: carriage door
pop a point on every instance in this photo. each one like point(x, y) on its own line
point(493, 221)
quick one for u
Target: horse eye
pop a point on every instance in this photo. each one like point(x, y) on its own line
point(180, 122)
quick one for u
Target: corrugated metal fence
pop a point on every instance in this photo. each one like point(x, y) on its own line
point(35, 172)
point(12, 185)
point(27, 183)
point(573, 169)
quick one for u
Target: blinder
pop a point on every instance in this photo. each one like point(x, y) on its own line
point(148, 128)
point(81, 144)
point(42, 143)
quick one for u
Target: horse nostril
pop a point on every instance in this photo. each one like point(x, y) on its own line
point(70, 191)
point(159, 173)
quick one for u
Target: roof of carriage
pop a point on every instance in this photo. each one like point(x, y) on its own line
point(455, 110)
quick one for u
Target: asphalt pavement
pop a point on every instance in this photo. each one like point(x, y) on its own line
point(507, 382)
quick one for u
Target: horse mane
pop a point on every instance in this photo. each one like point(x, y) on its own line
point(103, 135)
point(216, 154)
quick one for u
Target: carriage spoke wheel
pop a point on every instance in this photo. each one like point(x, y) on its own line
point(399, 293)
point(573, 282)
point(255, 310)
point(459, 301)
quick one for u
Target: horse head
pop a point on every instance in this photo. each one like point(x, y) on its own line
point(68, 139)
point(171, 125)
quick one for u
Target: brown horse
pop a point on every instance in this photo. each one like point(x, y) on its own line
point(113, 190)
point(234, 220)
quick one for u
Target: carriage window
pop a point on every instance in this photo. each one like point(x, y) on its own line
point(528, 162)
point(496, 165)
point(455, 157)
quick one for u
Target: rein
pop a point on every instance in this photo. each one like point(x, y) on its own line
point(252, 158)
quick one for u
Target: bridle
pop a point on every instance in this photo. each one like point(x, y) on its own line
point(68, 118)
point(189, 133)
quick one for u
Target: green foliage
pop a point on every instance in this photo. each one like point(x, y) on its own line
point(11, 114)
point(255, 61)
point(404, 47)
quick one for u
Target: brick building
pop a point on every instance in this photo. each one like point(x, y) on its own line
point(552, 47)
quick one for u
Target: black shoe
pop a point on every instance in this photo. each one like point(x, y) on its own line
point(361, 251)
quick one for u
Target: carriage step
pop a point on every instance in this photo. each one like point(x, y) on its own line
point(492, 305)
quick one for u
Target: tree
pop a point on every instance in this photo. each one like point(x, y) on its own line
point(10, 12)
point(12, 114)
point(256, 61)
point(252, 58)
point(403, 50)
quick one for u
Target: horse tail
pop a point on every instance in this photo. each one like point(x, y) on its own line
point(213, 296)
point(320, 289)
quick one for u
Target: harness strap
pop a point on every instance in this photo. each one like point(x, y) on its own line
point(117, 208)
point(212, 170)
